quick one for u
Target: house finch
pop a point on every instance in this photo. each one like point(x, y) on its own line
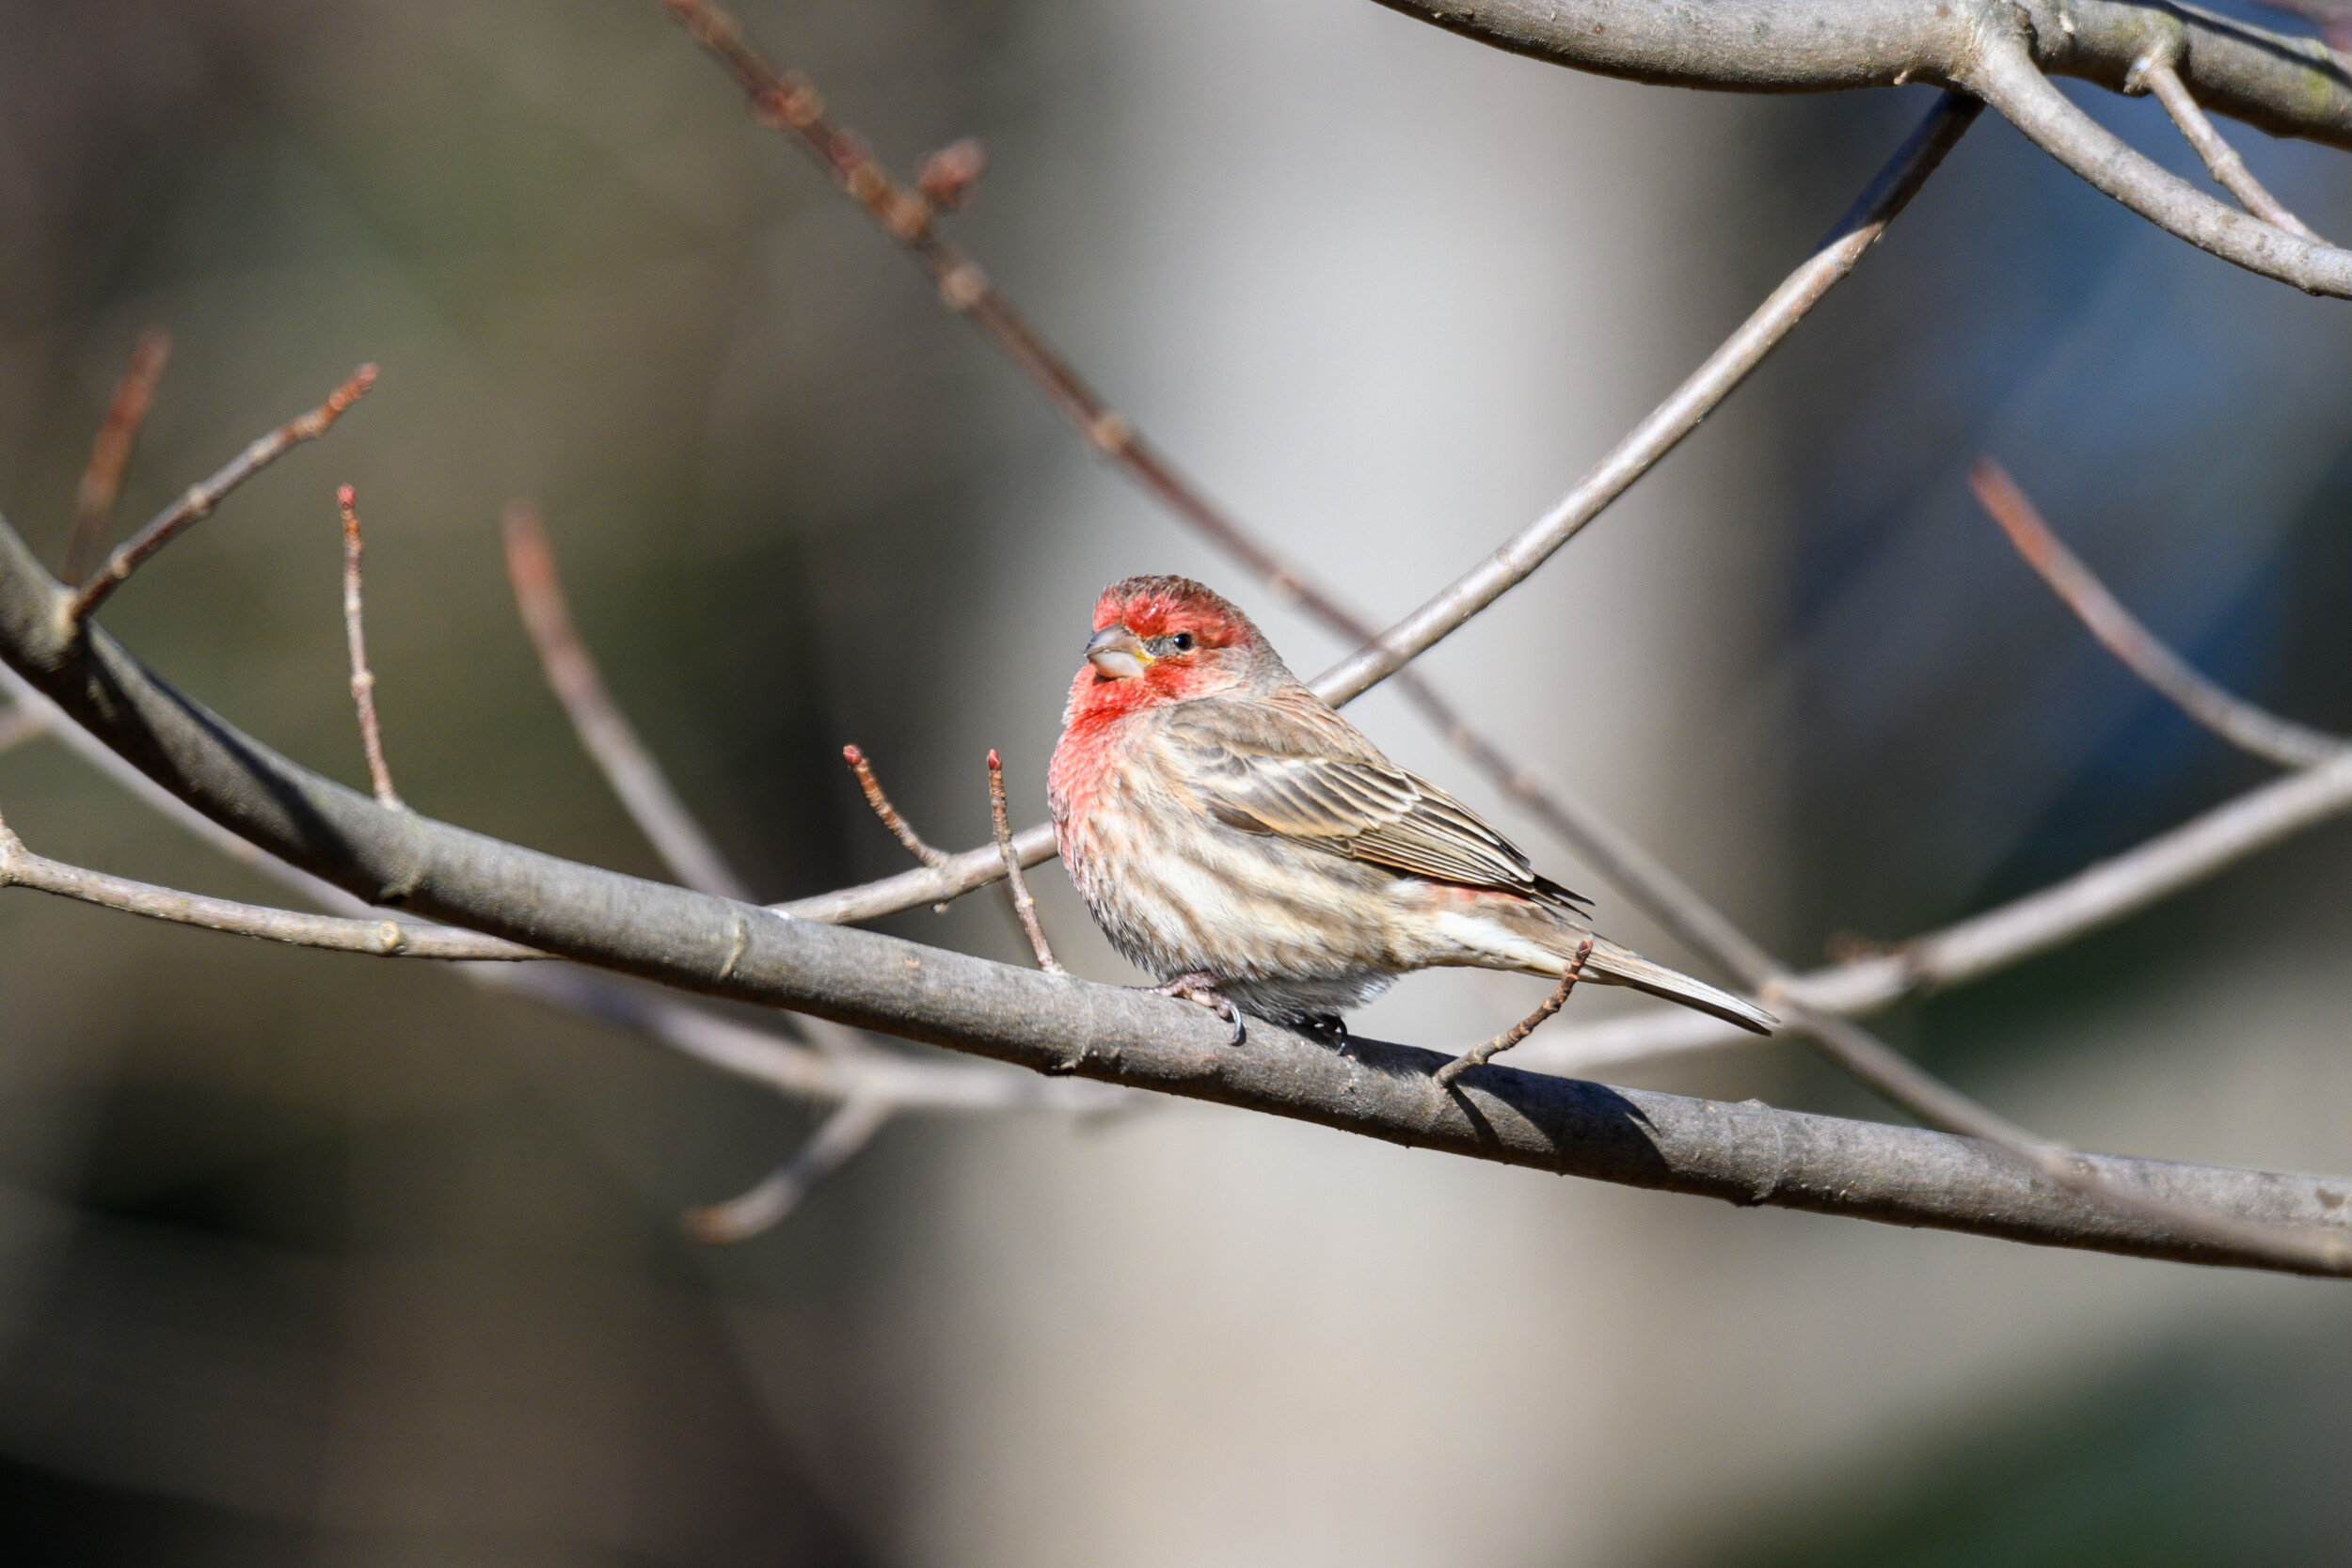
point(1236, 837)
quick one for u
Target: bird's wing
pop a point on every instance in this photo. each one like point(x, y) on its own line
point(1303, 773)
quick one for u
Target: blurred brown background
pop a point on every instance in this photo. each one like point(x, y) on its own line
point(311, 1260)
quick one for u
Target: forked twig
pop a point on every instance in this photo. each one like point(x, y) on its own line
point(2156, 73)
point(888, 812)
point(1480, 1056)
point(387, 938)
point(110, 453)
point(605, 733)
point(362, 678)
point(2233, 718)
point(199, 499)
point(1017, 885)
point(842, 1134)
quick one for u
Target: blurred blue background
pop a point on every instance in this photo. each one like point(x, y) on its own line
point(313, 1260)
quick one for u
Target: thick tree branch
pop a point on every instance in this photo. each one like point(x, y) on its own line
point(2288, 86)
point(1062, 1027)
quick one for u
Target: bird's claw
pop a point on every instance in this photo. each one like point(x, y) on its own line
point(1202, 988)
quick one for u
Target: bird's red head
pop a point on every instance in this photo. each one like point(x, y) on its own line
point(1161, 640)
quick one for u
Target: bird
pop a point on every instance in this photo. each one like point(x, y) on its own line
point(1233, 834)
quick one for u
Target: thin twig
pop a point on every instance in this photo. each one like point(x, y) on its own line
point(1480, 1056)
point(1671, 420)
point(2001, 70)
point(2048, 918)
point(1015, 883)
point(110, 453)
point(888, 812)
point(2229, 170)
point(201, 499)
point(362, 678)
point(2233, 718)
point(841, 1135)
point(605, 733)
point(20, 867)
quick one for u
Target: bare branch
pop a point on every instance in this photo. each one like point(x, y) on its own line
point(2289, 87)
point(2157, 75)
point(2307, 1249)
point(1016, 884)
point(2233, 718)
point(2004, 75)
point(110, 453)
point(362, 678)
point(605, 733)
point(845, 1068)
point(842, 1134)
point(888, 812)
point(384, 939)
point(1972, 948)
point(198, 503)
point(1063, 1027)
point(1480, 1056)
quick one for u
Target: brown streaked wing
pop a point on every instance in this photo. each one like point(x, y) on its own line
point(1258, 769)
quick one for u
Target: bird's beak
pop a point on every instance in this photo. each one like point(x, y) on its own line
point(1117, 652)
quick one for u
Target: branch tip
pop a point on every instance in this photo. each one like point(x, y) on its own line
point(362, 678)
point(201, 499)
point(2241, 723)
point(110, 450)
point(888, 814)
point(1016, 884)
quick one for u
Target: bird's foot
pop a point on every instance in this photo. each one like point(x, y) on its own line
point(1201, 987)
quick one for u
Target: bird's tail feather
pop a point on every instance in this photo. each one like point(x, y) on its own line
point(1613, 965)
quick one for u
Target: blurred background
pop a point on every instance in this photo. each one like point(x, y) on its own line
point(311, 1259)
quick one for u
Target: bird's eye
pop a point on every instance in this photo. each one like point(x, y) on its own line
point(1181, 642)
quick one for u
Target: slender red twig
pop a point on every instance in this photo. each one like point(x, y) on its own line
point(1480, 1056)
point(605, 733)
point(1016, 884)
point(888, 812)
point(362, 678)
point(110, 453)
point(201, 499)
point(2233, 718)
